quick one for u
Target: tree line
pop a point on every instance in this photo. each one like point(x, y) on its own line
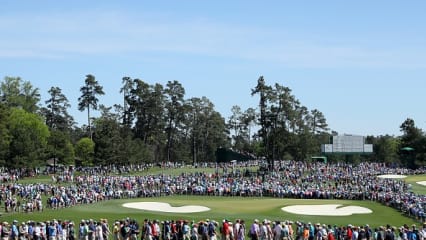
point(156, 123)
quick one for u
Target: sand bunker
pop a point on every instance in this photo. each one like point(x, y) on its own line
point(326, 210)
point(165, 207)
point(422, 183)
point(392, 176)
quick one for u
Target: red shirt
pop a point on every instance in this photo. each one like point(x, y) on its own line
point(225, 228)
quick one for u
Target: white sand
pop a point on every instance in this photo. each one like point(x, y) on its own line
point(165, 207)
point(392, 176)
point(326, 210)
point(422, 183)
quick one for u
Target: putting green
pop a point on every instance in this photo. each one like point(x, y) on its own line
point(247, 208)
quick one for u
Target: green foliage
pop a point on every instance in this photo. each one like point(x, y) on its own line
point(88, 99)
point(28, 139)
point(174, 112)
point(146, 105)
point(139, 153)
point(113, 145)
point(206, 130)
point(107, 138)
point(414, 141)
point(85, 149)
point(156, 124)
point(385, 148)
point(4, 134)
point(127, 108)
point(61, 148)
point(16, 92)
point(55, 112)
point(68, 153)
point(287, 127)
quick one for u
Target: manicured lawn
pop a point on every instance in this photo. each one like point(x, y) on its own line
point(151, 171)
point(188, 169)
point(417, 188)
point(221, 207)
point(38, 179)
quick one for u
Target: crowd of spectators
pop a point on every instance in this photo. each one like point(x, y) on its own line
point(290, 180)
point(178, 229)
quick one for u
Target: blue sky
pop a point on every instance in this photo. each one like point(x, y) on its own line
point(362, 63)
